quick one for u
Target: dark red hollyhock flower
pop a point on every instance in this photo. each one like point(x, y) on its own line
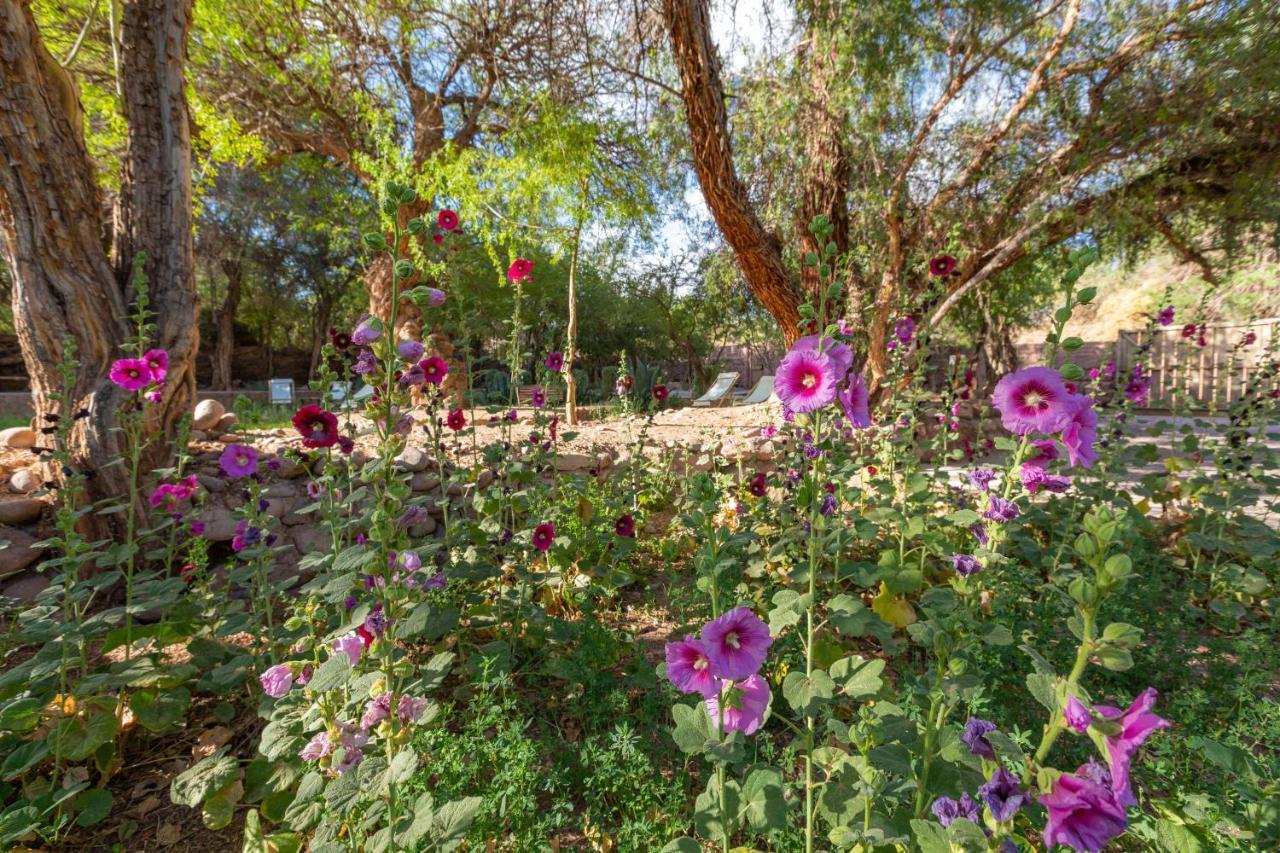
point(871, 469)
point(757, 485)
point(340, 340)
point(345, 444)
point(1189, 330)
point(544, 535)
point(457, 420)
point(318, 427)
point(447, 220)
point(1250, 338)
point(625, 526)
point(660, 392)
point(942, 265)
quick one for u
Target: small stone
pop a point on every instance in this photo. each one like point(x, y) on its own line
point(309, 538)
point(411, 459)
point(207, 414)
point(280, 490)
point(230, 438)
point(212, 483)
point(24, 480)
point(198, 435)
point(569, 462)
point(289, 469)
point(485, 479)
point(26, 587)
point(604, 459)
point(19, 438)
point(219, 524)
point(424, 481)
point(18, 553)
point(424, 528)
point(20, 510)
point(226, 423)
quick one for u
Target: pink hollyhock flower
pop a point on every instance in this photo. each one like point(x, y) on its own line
point(158, 363)
point(410, 709)
point(131, 374)
point(366, 332)
point(736, 643)
point(1083, 813)
point(1080, 434)
point(520, 271)
point(351, 645)
point(237, 460)
point(840, 354)
point(319, 747)
point(456, 420)
point(689, 668)
point(353, 743)
point(745, 705)
point(554, 362)
point(317, 427)
point(855, 402)
point(1165, 317)
point(806, 380)
point(544, 536)
point(447, 220)
point(1032, 400)
point(1137, 724)
point(942, 265)
point(434, 369)
point(376, 711)
point(1076, 714)
point(277, 680)
point(538, 397)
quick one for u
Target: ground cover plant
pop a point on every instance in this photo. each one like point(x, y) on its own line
point(869, 630)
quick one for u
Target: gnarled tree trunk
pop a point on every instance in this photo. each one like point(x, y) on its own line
point(225, 344)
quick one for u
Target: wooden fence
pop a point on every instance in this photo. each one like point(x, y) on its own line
point(1214, 374)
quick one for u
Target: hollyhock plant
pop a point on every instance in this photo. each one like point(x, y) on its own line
point(854, 402)
point(1136, 725)
point(456, 419)
point(1003, 795)
point(1033, 399)
point(434, 370)
point(447, 220)
point(745, 704)
point(131, 374)
point(736, 643)
point(689, 668)
point(1076, 714)
point(806, 380)
point(276, 680)
point(544, 536)
point(520, 271)
point(625, 526)
point(948, 810)
point(1083, 812)
point(942, 265)
point(317, 427)
point(975, 737)
point(238, 460)
point(158, 363)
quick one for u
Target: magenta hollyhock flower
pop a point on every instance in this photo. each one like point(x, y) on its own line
point(806, 380)
point(840, 354)
point(554, 362)
point(410, 709)
point(736, 643)
point(158, 363)
point(948, 811)
point(1035, 478)
point(366, 332)
point(521, 270)
point(625, 526)
point(276, 680)
point(1076, 714)
point(1033, 400)
point(434, 369)
point(855, 402)
point(660, 393)
point(1083, 813)
point(758, 485)
point(942, 265)
point(317, 748)
point(411, 350)
point(1080, 434)
point(745, 704)
point(1044, 450)
point(131, 374)
point(905, 330)
point(1165, 317)
point(1003, 794)
point(350, 644)
point(317, 427)
point(689, 668)
point(1135, 390)
point(456, 420)
point(537, 397)
point(544, 536)
point(965, 564)
point(237, 460)
point(1136, 724)
point(975, 737)
point(447, 220)
point(1189, 330)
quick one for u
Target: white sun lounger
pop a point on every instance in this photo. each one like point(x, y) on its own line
point(720, 391)
point(762, 393)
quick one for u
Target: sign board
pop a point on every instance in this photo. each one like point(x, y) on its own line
point(280, 392)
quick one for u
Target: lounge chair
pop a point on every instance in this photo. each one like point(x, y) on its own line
point(338, 391)
point(762, 393)
point(720, 392)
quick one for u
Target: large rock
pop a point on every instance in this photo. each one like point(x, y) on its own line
point(26, 586)
point(411, 459)
point(19, 438)
point(424, 481)
point(24, 480)
point(207, 414)
point(20, 510)
point(226, 423)
point(219, 523)
point(18, 554)
point(568, 462)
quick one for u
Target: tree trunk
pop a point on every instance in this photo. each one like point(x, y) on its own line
point(65, 284)
point(324, 315)
point(758, 251)
point(571, 335)
point(378, 280)
point(826, 165)
point(224, 345)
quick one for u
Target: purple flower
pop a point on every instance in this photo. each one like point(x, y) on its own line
point(905, 330)
point(625, 526)
point(319, 747)
point(1003, 794)
point(131, 374)
point(554, 362)
point(1000, 509)
point(414, 376)
point(975, 737)
point(366, 332)
point(350, 645)
point(365, 363)
point(538, 397)
point(376, 622)
point(1032, 400)
point(237, 460)
point(1076, 714)
point(353, 742)
point(840, 354)
point(736, 643)
point(1083, 812)
point(1136, 724)
point(1165, 317)
point(828, 505)
point(980, 478)
point(410, 709)
point(854, 402)
point(745, 705)
point(806, 380)
point(436, 581)
point(965, 565)
point(350, 602)
point(435, 369)
point(979, 531)
point(378, 710)
point(1135, 390)
point(768, 431)
point(1046, 450)
point(410, 350)
point(1034, 478)
point(435, 297)
point(948, 811)
point(277, 680)
point(1080, 434)
point(689, 668)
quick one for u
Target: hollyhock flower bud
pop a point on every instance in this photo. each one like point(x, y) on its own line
point(276, 680)
point(365, 332)
point(975, 737)
point(1076, 714)
point(411, 350)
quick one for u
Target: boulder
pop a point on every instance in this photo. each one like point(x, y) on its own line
point(569, 462)
point(226, 423)
point(20, 510)
point(19, 438)
point(24, 480)
point(26, 587)
point(18, 554)
point(411, 459)
point(424, 481)
point(207, 414)
point(219, 523)
point(212, 483)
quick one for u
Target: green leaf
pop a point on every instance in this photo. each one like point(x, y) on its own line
point(342, 791)
point(930, 837)
point(24, 757)
point(331, 674)
point(762, 800)
point(453, 819)
point(1176, 838)
point(859, 676)
point(788, 608)
point(217, 812)
point(93, 805)
point(195, 784)
point(851, 617)
point(1044, 688)
point(682, 845)
point(806, 693)
point(157, 711)
point(693, 728)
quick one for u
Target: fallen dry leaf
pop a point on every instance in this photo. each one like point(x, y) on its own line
point(209, 741)
point(168, 834)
